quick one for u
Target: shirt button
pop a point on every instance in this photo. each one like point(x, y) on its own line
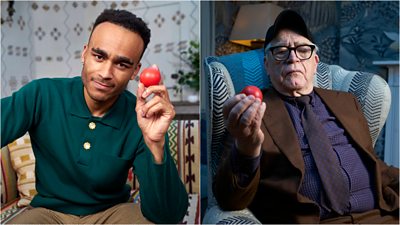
point(86, 145)
point(92, 125)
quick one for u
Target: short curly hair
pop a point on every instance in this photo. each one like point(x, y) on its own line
point(127, 20)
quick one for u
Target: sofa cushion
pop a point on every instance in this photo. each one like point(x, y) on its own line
point(23, 162)
point(9, 211)
point(8, 178)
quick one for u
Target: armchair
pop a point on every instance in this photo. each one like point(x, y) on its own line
point(227, 75)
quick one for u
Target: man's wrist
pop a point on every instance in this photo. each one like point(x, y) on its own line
point(244, 167)
point(247, 149)
point(157, 151)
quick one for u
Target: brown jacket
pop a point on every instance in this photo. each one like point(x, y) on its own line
point(273, 195)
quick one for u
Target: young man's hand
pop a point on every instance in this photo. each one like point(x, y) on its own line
point(154, 117)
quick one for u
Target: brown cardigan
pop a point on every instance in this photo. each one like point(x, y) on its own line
point(272, 195)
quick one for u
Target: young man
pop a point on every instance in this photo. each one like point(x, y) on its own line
point(303, 154)
point(88, 131)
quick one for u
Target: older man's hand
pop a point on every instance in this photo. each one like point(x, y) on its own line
point(243, 115)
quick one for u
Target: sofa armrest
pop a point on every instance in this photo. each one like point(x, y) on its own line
point(9, 191)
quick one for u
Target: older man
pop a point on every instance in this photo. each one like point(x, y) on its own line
point(303, 154)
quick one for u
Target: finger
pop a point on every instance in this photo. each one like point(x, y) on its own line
point(155, 100)
point(139, 100)
point(167, 107)
point(250, 122)
point(257, 120)
point(249, 115)
point(246, 132)
point(260, 114)
point(159, 90)
point(237, 110)
point(231, 102)
point(156, 109)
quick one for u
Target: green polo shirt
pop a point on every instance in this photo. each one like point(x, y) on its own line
point(82, 161)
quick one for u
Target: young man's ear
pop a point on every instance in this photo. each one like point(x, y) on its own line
point(83, 53)
point(136, 71)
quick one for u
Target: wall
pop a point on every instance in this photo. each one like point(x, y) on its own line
point(45, 38)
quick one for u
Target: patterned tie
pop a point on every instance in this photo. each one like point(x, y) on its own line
point(325, 158)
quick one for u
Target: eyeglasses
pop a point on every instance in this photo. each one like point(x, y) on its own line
point(281, 53)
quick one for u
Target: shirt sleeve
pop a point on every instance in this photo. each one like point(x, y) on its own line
point(163, 196)
point(19, 112)
point(244, 167)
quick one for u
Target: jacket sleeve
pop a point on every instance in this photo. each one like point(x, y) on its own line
point(163, 196)
point(390, 185)
point(19, 112)
point(228, 193)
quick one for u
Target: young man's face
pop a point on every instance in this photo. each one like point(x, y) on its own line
point(110, 60)
point(293, 76)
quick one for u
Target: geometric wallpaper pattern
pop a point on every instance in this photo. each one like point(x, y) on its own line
point(45, 38)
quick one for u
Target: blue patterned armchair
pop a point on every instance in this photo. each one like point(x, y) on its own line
point(227, 75)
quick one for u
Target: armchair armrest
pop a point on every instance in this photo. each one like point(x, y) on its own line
point(220, 89)
point(215, 215)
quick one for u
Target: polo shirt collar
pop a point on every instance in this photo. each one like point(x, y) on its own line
point(117, 113)
point(78, 107)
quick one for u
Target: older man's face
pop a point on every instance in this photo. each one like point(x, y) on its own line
point(293, 76)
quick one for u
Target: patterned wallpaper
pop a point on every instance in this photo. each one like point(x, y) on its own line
point(45, 38)
point(349, 33)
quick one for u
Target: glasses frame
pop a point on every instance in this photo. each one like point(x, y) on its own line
point(313, 47)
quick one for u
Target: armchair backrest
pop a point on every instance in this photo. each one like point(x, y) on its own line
point(227, 75)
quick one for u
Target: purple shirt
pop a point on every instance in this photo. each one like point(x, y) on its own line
point(358, 178)
point(360, 181)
